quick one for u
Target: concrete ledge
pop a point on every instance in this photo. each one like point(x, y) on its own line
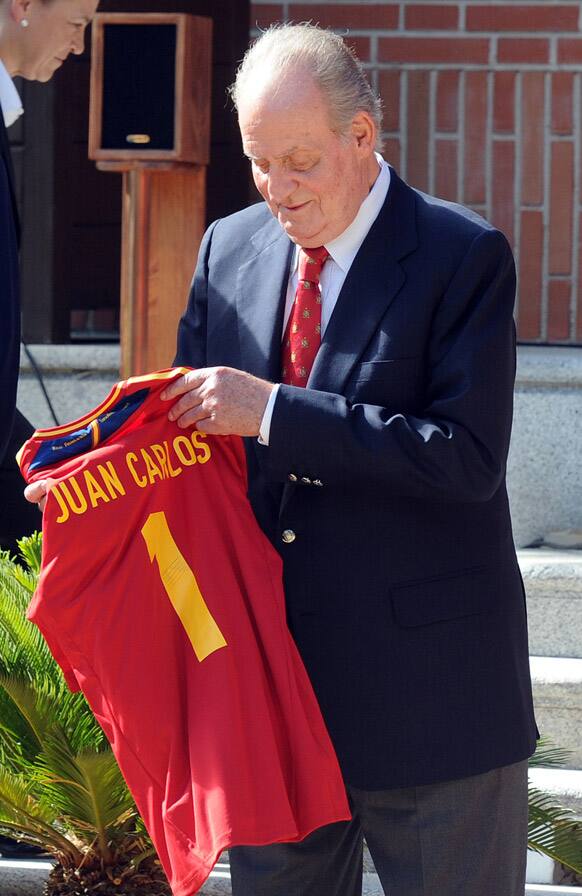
point(557, 690)
point(546, 367)
point(547, 568)
point(551, 890)
point(28, 879)
point(563, 783)
point(561, 674)
point(543, 471)
point(553, 584)
point(60, 358)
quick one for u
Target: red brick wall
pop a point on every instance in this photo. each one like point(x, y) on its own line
point(483, 106)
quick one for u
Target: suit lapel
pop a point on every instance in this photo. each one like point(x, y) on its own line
point(372, 283)
point(261, 288)
point(6, 155)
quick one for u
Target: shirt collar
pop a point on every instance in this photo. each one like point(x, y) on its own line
point(344, 248)
point(10, 102)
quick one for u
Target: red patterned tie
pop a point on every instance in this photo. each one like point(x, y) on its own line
point(303, 332)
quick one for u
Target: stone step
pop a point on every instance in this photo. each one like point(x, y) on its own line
point(563, 783)
point(557, 689)
point(553, 585)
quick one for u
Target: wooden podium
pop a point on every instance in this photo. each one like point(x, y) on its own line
point(150, 119)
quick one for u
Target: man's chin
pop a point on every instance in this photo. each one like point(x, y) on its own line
point(300, 235)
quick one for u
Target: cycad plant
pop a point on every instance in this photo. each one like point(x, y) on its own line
point(553, 830)
point(60, 786)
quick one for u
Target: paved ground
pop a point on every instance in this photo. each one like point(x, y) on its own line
point(27, 879)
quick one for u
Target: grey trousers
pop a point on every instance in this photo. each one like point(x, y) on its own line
point(458, 838)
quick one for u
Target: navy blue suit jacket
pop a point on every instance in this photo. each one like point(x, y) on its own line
point(9, 292)
point(402, 586)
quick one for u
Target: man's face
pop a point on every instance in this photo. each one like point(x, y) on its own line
point(312, 179)
point(56, 29)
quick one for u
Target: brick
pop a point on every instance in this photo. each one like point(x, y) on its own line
point(529, 318)
point(264, 15)
point(446, 164)
point(504, 103)
point(360, 46)
point(474, 190)
point(447, 101)
point(561, 209)
point(425, 17)
point(569, 51)
point(579, 310)
point(418, 129)
point(529, 50)
point(393, 152)
point(559, 297)
point(562, 97)
point(521, 17)
point(389, 89)
point(502, 206)
point(532, 128)
point(360, 17)
point(433, 49)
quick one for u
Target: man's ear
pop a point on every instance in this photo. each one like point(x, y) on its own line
point(364, 131)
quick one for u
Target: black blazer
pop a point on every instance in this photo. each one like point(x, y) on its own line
point(402, 586)
point(9, 292)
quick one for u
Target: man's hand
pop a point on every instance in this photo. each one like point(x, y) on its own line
point(219, 400)
point(36, 493)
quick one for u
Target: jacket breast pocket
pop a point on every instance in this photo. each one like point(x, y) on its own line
point(393, 382)
point(468, 592)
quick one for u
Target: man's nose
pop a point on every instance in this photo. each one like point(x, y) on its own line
point(280, 185)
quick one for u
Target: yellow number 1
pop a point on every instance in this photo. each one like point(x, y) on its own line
point(181, 587)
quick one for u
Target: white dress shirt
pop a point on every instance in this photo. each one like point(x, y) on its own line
point(10, 102)
point(342, 252)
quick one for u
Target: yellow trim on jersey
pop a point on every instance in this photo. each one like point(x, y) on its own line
point(116, 391)
point(95, 433)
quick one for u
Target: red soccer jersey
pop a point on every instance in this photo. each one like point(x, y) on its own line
point(162, 600)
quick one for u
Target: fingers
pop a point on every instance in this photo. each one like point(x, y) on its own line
point(183, 384)
point(190, 391)
point(36, 493)
point(218, 400)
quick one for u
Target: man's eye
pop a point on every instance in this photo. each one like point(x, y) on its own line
point(302, 166)
point(262, 166)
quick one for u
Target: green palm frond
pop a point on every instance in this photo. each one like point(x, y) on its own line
point(32, 724)
point(548, 755)
point(30, 549)
point(32, 819)
point(87, 788)
point(553, 830)
point(60, 786)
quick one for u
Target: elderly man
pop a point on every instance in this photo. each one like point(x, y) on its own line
point(361, 334)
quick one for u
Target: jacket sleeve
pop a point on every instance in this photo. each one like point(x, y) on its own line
point(9, 312)
point(191, 348)
point(456, 449)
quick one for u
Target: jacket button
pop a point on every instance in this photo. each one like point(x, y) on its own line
point(288, 536)
point(306, 480)
point(318, 482)
point(292, 477)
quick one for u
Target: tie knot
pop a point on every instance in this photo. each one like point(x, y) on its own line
point(311, 262)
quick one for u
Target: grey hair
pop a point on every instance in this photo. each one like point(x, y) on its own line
point(324, 55)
